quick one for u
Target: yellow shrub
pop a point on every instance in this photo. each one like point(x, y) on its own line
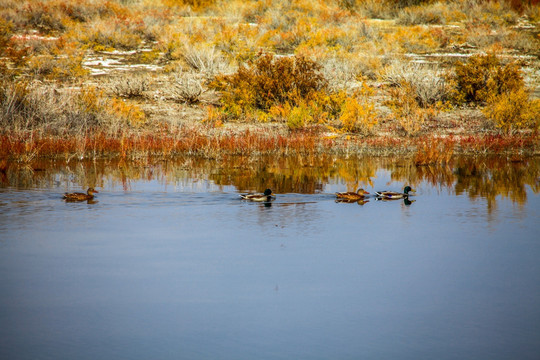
point(196, 5)
point(299, 117)
point(407, 111)
point(280, 112)
point(413, 39)
point(358, 113)
point(128, 112)
point(267, 82)
point(91, 100)
point(511, 111)
point(213, 117)
point(63, 62)
point(483, 77)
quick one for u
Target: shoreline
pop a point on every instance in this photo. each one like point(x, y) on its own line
point(262, 140)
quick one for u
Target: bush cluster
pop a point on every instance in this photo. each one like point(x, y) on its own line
point(512, 111)
point(295, 91)
point(484, 80)
point(25, 107)
point(269, 81)
point(483, 76)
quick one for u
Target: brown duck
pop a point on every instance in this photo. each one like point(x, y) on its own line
point(355, 196)
point(77, 196)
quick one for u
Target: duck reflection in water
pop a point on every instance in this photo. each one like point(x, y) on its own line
point(347, 201)
point(408, 202)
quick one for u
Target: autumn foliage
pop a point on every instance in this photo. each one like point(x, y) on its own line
point(270, 81)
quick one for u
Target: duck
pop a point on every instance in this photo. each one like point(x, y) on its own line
point(391, 195)
point(354, 196)
point(77, 196)
point(266, 196)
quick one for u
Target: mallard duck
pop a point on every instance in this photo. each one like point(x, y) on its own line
point(266, 196)
point(390, 195)
point(354, 196)
point(81, 196)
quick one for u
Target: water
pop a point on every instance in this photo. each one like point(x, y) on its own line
point(169, 263)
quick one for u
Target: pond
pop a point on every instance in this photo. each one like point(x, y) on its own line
point(169, 263)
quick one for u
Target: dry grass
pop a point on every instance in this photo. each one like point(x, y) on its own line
point(427, 82)
point(129, 86)
point(188, 88)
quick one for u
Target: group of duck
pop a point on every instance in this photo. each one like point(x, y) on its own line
point(359, 195)
point(268, 195)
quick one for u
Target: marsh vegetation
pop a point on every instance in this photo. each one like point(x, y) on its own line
point(88, 79)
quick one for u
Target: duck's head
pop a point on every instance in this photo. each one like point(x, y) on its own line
point(91, 191)
point(362, 192)
point(407, 189)
point(267, 192)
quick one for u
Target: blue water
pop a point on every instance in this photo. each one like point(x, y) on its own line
point(176, 266)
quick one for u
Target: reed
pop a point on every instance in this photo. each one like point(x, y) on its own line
point(434, 151)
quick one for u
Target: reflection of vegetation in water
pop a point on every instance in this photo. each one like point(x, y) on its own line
point(295, 174)
point(497, 177)
point(486, 178)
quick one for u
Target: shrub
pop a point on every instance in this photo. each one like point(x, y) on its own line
point(483, 77)
point(109, 34)
point(407, 111)
point(269, 81)
point(6, 31)
point(44, 17)
point(415, 39)
point(204, 59)
point(188, 88)
point(514, 110)
point(196, 5)
point(421, 15)
point(340, 72)
point(60, 61)
point(25, 107)
point(427, 84)
point(127, 112)
point(129, 86)
point(299, 116)
point(9, 51)
point(358, 113)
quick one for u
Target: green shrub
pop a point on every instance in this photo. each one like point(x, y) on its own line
point(482, 77)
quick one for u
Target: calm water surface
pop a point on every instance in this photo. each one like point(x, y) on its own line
point(169, 263)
